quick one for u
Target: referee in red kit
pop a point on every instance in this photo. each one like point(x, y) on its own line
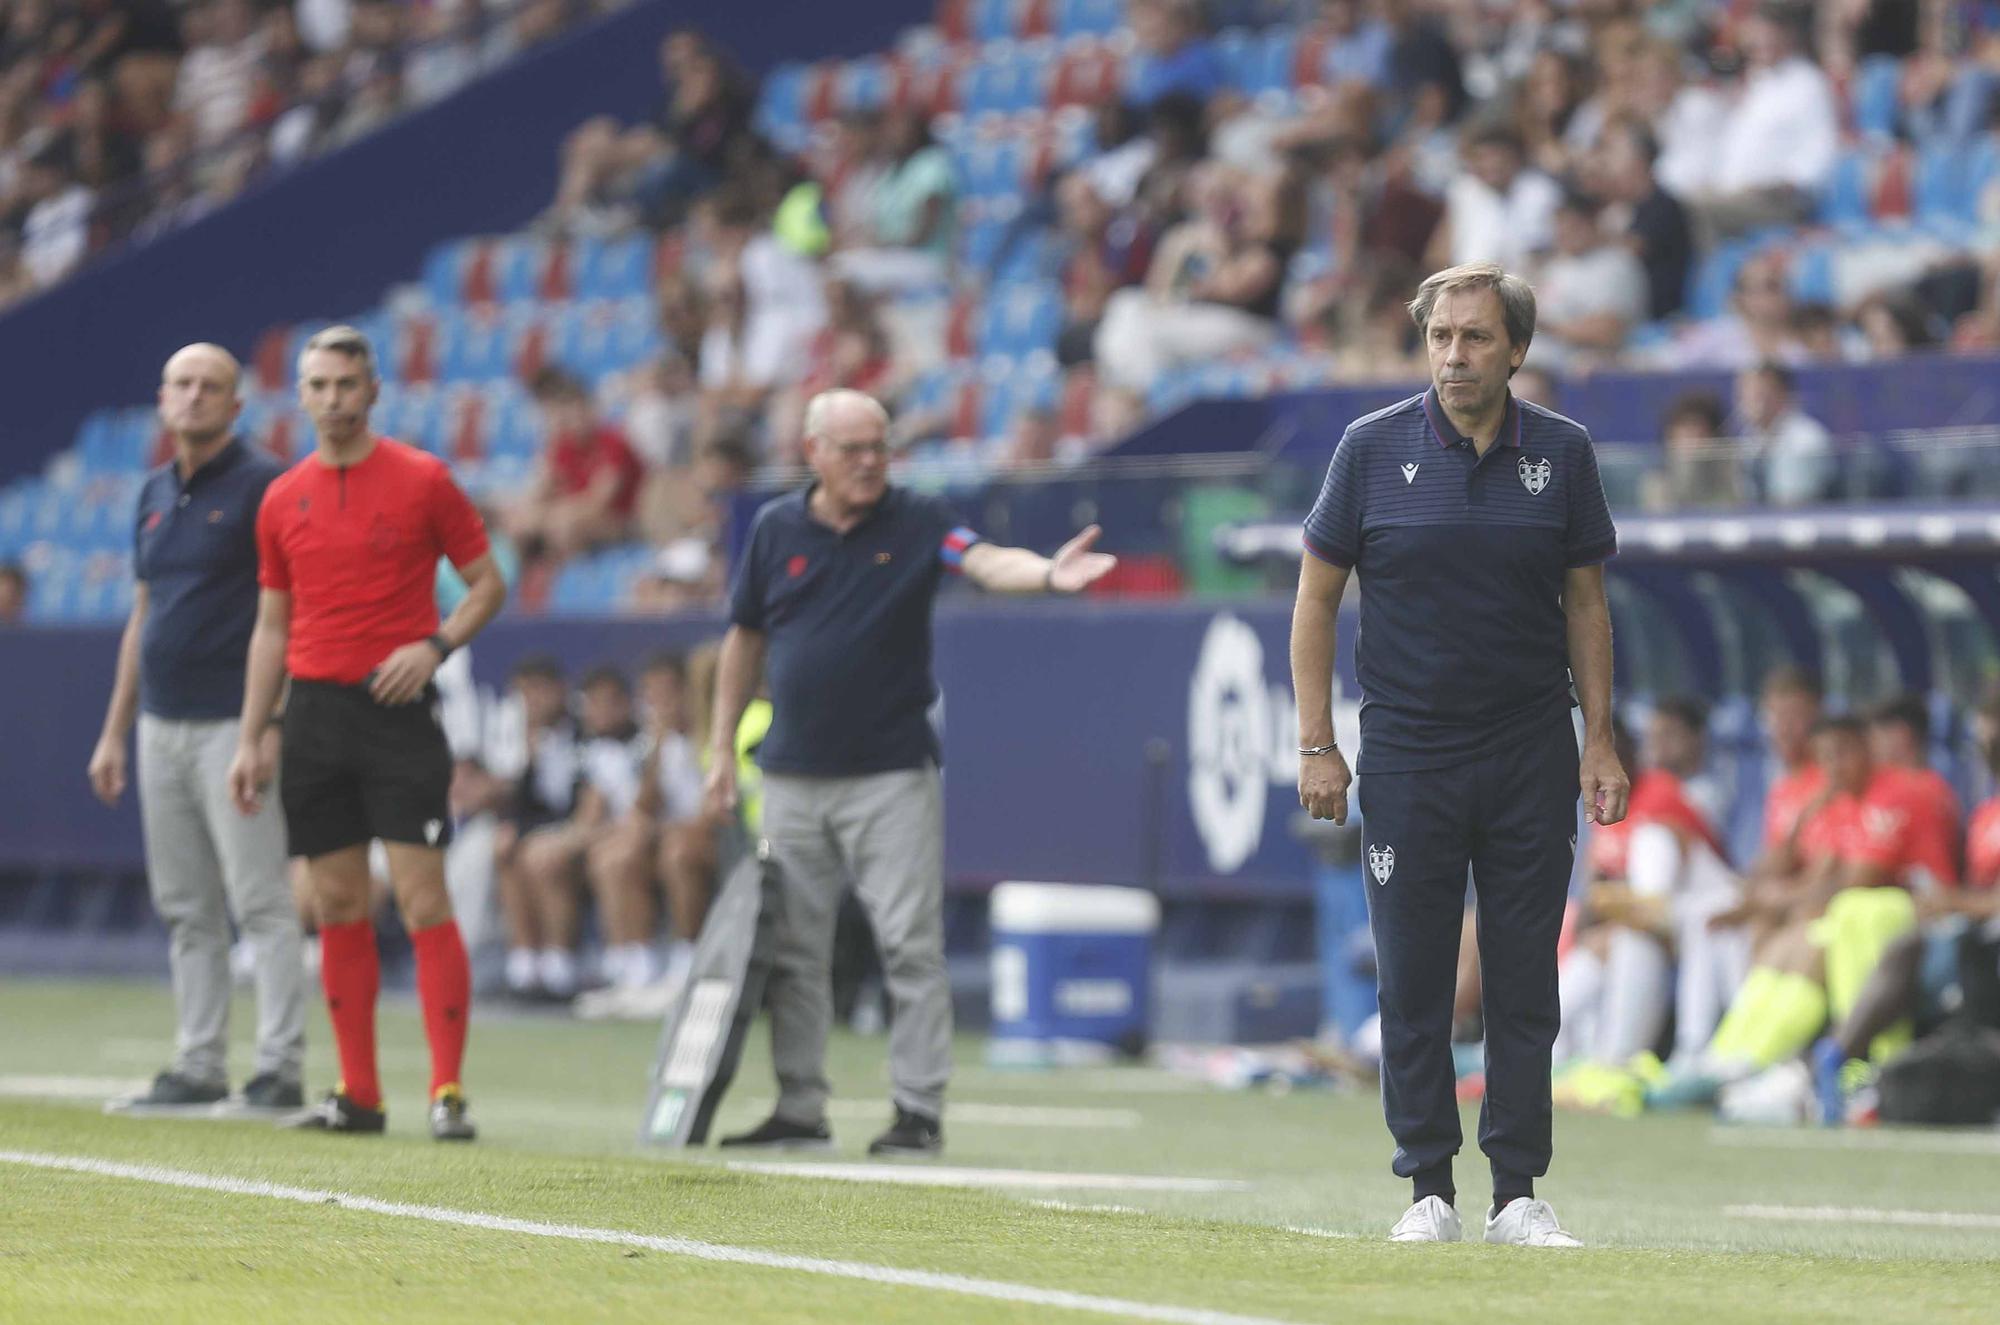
point(348, 542)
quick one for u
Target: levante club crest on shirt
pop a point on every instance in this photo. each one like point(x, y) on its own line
point(1381, 863)
point(1534, 474)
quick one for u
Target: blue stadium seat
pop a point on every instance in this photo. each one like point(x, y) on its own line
point(1711, 279)
point(518, 263)
point(635, 335)
point(1938, 188)
point(1021, 318)
point(513, 425)
point(990, 167)
point(1241, 52)
point(992, 19)
point(418, 418)
point(444, 270)
point(615, 269)
point(1031, 256)
point(1875, 94)
point(981, 234)
point(782, 101)
point(865, 84)
point(472, 346)
point(15, 503)
point(1812, 274)
point(1274, 61)
point(1097, 17)
point(1846, 196)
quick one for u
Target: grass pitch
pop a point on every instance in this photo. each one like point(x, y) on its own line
point(1684, 1221)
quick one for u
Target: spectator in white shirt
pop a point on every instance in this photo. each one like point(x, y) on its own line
point(1779, 143)
point(1685, 117)
point(1589, 294)
point(55, 234)
point(219, 73)
point(1787, 454)
point(1498, 209)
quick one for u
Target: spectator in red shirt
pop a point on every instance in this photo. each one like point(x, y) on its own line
point(348, 543)
point(590, 476)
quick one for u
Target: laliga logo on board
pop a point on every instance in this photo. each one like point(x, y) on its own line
point(1242, 742)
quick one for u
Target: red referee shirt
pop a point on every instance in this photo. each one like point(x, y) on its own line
point(357, 550)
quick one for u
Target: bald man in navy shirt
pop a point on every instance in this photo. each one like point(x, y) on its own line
point(1479, 527)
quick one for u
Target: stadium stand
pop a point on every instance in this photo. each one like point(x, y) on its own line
point(119, 122)
point(946, 220)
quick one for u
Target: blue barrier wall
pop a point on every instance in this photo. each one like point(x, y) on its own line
point(327, 239)
point(1923, 391)
point(1050, 712)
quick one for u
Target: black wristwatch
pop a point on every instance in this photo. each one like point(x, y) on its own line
point(444, 646)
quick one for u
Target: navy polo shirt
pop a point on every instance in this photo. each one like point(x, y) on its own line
point(847, 625)
point(195, 550)
point(1463, 644)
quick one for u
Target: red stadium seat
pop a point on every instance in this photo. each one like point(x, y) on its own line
point(1893, 192)
point(415, 353)
point(965, 411)
point(465, 435)
point(557, 279)
point(1307, 58)
point(480, 283)
point(1088, 74)
point(954, 19)
point(958, 327)
point(531, 349)
point(270, 361)
point(823, 91)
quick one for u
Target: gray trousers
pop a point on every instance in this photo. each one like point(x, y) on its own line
point(884, 833)
point(205, 861)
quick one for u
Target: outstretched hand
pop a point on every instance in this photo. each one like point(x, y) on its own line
point(1075, 567)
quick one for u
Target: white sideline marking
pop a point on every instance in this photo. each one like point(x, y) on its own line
point(993, 1289)
point(1915, 1143)
point(930, 1176)
point(68, 1088)
point(1840, 1214)
point(1072, 1207)
point(990, 1115)
point(1309, 1231)
point(1091, 1081)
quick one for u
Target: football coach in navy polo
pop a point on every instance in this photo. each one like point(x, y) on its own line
point(1478, 525)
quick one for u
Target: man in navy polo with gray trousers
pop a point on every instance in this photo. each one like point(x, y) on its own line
point(832, 603)
point(1479, 527)
point(180, 671)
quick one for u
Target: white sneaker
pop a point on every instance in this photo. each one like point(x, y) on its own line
point(1527, 1222)
point(1429, 1220)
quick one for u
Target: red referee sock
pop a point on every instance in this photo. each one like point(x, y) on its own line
point(351, 973)
point(444, 986)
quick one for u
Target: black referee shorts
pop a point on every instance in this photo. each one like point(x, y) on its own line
point(354, 770)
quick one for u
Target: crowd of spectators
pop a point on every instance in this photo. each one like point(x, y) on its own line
point(1602, 147)
point(121, 119)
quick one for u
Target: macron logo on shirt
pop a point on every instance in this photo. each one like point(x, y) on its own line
point(1409, 474)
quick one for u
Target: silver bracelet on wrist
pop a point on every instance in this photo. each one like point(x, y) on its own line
point(1314, 751)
